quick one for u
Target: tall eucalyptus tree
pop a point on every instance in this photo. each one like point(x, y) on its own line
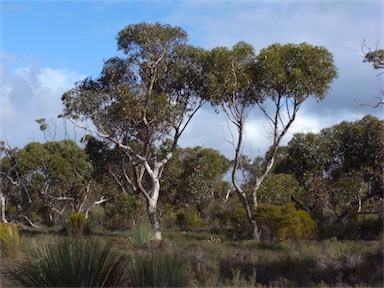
point(142, 103)
point(276, 82)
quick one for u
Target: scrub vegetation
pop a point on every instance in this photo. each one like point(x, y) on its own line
point(129, 207)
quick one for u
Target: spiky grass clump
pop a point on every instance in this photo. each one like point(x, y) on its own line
point(9, 239)
point(70, 262)
point(140, 235)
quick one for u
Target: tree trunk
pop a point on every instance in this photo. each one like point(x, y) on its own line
point(256, 232)
point(3, 207)
point(154, 221)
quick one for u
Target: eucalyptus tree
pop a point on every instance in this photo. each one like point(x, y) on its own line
point(356, 166)
point(276, 82)
point(142, 102)
point(341, 168)
point(59, 174)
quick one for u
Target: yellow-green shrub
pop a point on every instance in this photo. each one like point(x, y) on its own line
point(269, 217)
point(76, 224)
point(296, 225)
point(9, 238)
point(187, 219)
point(279, 223)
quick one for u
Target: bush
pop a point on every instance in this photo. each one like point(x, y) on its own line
point(9, 238)
point(358, 227)
point(279, 223)
point(124, 212)
point(296, 225)
point(70, 262)
point(158, 269)
point(187, 219)
point(76, 224)
point(269, 219)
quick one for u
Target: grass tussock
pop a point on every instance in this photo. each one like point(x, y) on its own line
point(140, 235)
point(9, 239)
point(70, 262)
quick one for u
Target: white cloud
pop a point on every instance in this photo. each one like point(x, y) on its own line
point(30, 93)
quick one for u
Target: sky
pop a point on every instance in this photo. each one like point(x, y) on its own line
point(46, 46)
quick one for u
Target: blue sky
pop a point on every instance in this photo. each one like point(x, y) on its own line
point(48, 45)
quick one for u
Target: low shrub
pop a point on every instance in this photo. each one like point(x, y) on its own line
point(282, 223)
point(123, 212)
point(187, 219)
point(70, 262)
point(9, 239)
point(156, 268)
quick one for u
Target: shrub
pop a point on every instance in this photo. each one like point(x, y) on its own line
point(157, 269)
point(239, 222)
point(269, 218)
point(231, 217)
point(280, 223)
point(140, 235)
point(296, 225)
point(70, 262)
point(187, 219)
point(124, 212)
point(357, 227)
point(9, 238)
point(76, 224)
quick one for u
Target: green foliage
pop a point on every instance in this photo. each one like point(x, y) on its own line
point(123, 212)
point(229, 76)
point(269, 217)
point(280, 223)
point(167, 66)
point(9, 239)
point(70, 262)
point(340, 168)
point(158, 269)
point(193, 176)
point(278, 189)
point(296, 71)
point(232, 218)
point(51, 176)
point(296, 225)
point(187, 219)
point(76, 224)
point(140, 235)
